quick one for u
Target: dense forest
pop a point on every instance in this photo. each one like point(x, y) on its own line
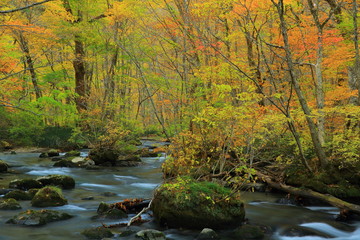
point(237, 86)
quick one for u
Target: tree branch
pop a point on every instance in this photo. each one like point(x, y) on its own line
point(23, 8)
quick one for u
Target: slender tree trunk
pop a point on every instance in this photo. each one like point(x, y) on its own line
point(357, 51)
point(80, 75)
point(319, 89)
point(294, 80)
point(30, 64)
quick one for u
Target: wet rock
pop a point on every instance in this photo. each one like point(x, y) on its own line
point(53, 153)
point(43, 155)
point(103, 155)
point(88, 198)
point(106, 211)
point(3, 166)
point(18, 195)
point(4, 191)
point(83, 162)
point(13, 153)
point(207, 234)
point(73, 153)
point(248, 232)
point(145, 152)
point(97, 233)
point(191, 204)
point(25, 184)
point(150, 234)
point(9, 204)
point(65, 163)
point(48, 197)
point(50, 153)
point(32, 192)
point(63, 181)
point(38, 218)
point(109, 194)
point(113, 157)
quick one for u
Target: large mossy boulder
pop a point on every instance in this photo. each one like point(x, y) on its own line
point(9, 204)
point(114, 157)
point(104, 156)
point(38, 218)
point(25, 184)
point(63, 181)
point(191, 204)
point(48, 197)
point(3, 166)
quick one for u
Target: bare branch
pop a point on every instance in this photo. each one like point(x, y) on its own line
point(23, 8)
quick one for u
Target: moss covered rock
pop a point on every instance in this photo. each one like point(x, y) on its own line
point(191, 204)
point(207, 234)
point(150, 234)
point(25, 184)
point(18, 195)
point(63, 181)
point(97, 233)
point(9, 204)
point(73, 153)
point(107, 211)
point(3, 166)
point(48, 197)
point(38, 218)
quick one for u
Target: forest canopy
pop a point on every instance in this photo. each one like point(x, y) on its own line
point(225, 80)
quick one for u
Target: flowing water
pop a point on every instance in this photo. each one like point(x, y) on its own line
point(116, 184)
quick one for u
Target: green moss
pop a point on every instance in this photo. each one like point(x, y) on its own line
point(330, 181)
point(18, 195)
point(48, 197)
point(188, 203)
point(9, 204)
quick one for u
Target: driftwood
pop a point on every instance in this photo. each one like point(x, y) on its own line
point(345, 207)
point(138, 216)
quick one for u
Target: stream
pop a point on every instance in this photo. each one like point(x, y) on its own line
point(112, 185)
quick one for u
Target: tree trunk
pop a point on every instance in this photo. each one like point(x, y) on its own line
point(357, 52)
point(336, 202)
point(314, 132)
point(30, 64)
point(80, 76)
point(319, 89)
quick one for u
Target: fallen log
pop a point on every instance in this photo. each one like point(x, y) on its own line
point(336, 202)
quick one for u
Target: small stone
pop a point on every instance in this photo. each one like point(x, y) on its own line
point(3, 166)
point(151, 234)
point(249, 232)
point(97, 233)
point(207, 234)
